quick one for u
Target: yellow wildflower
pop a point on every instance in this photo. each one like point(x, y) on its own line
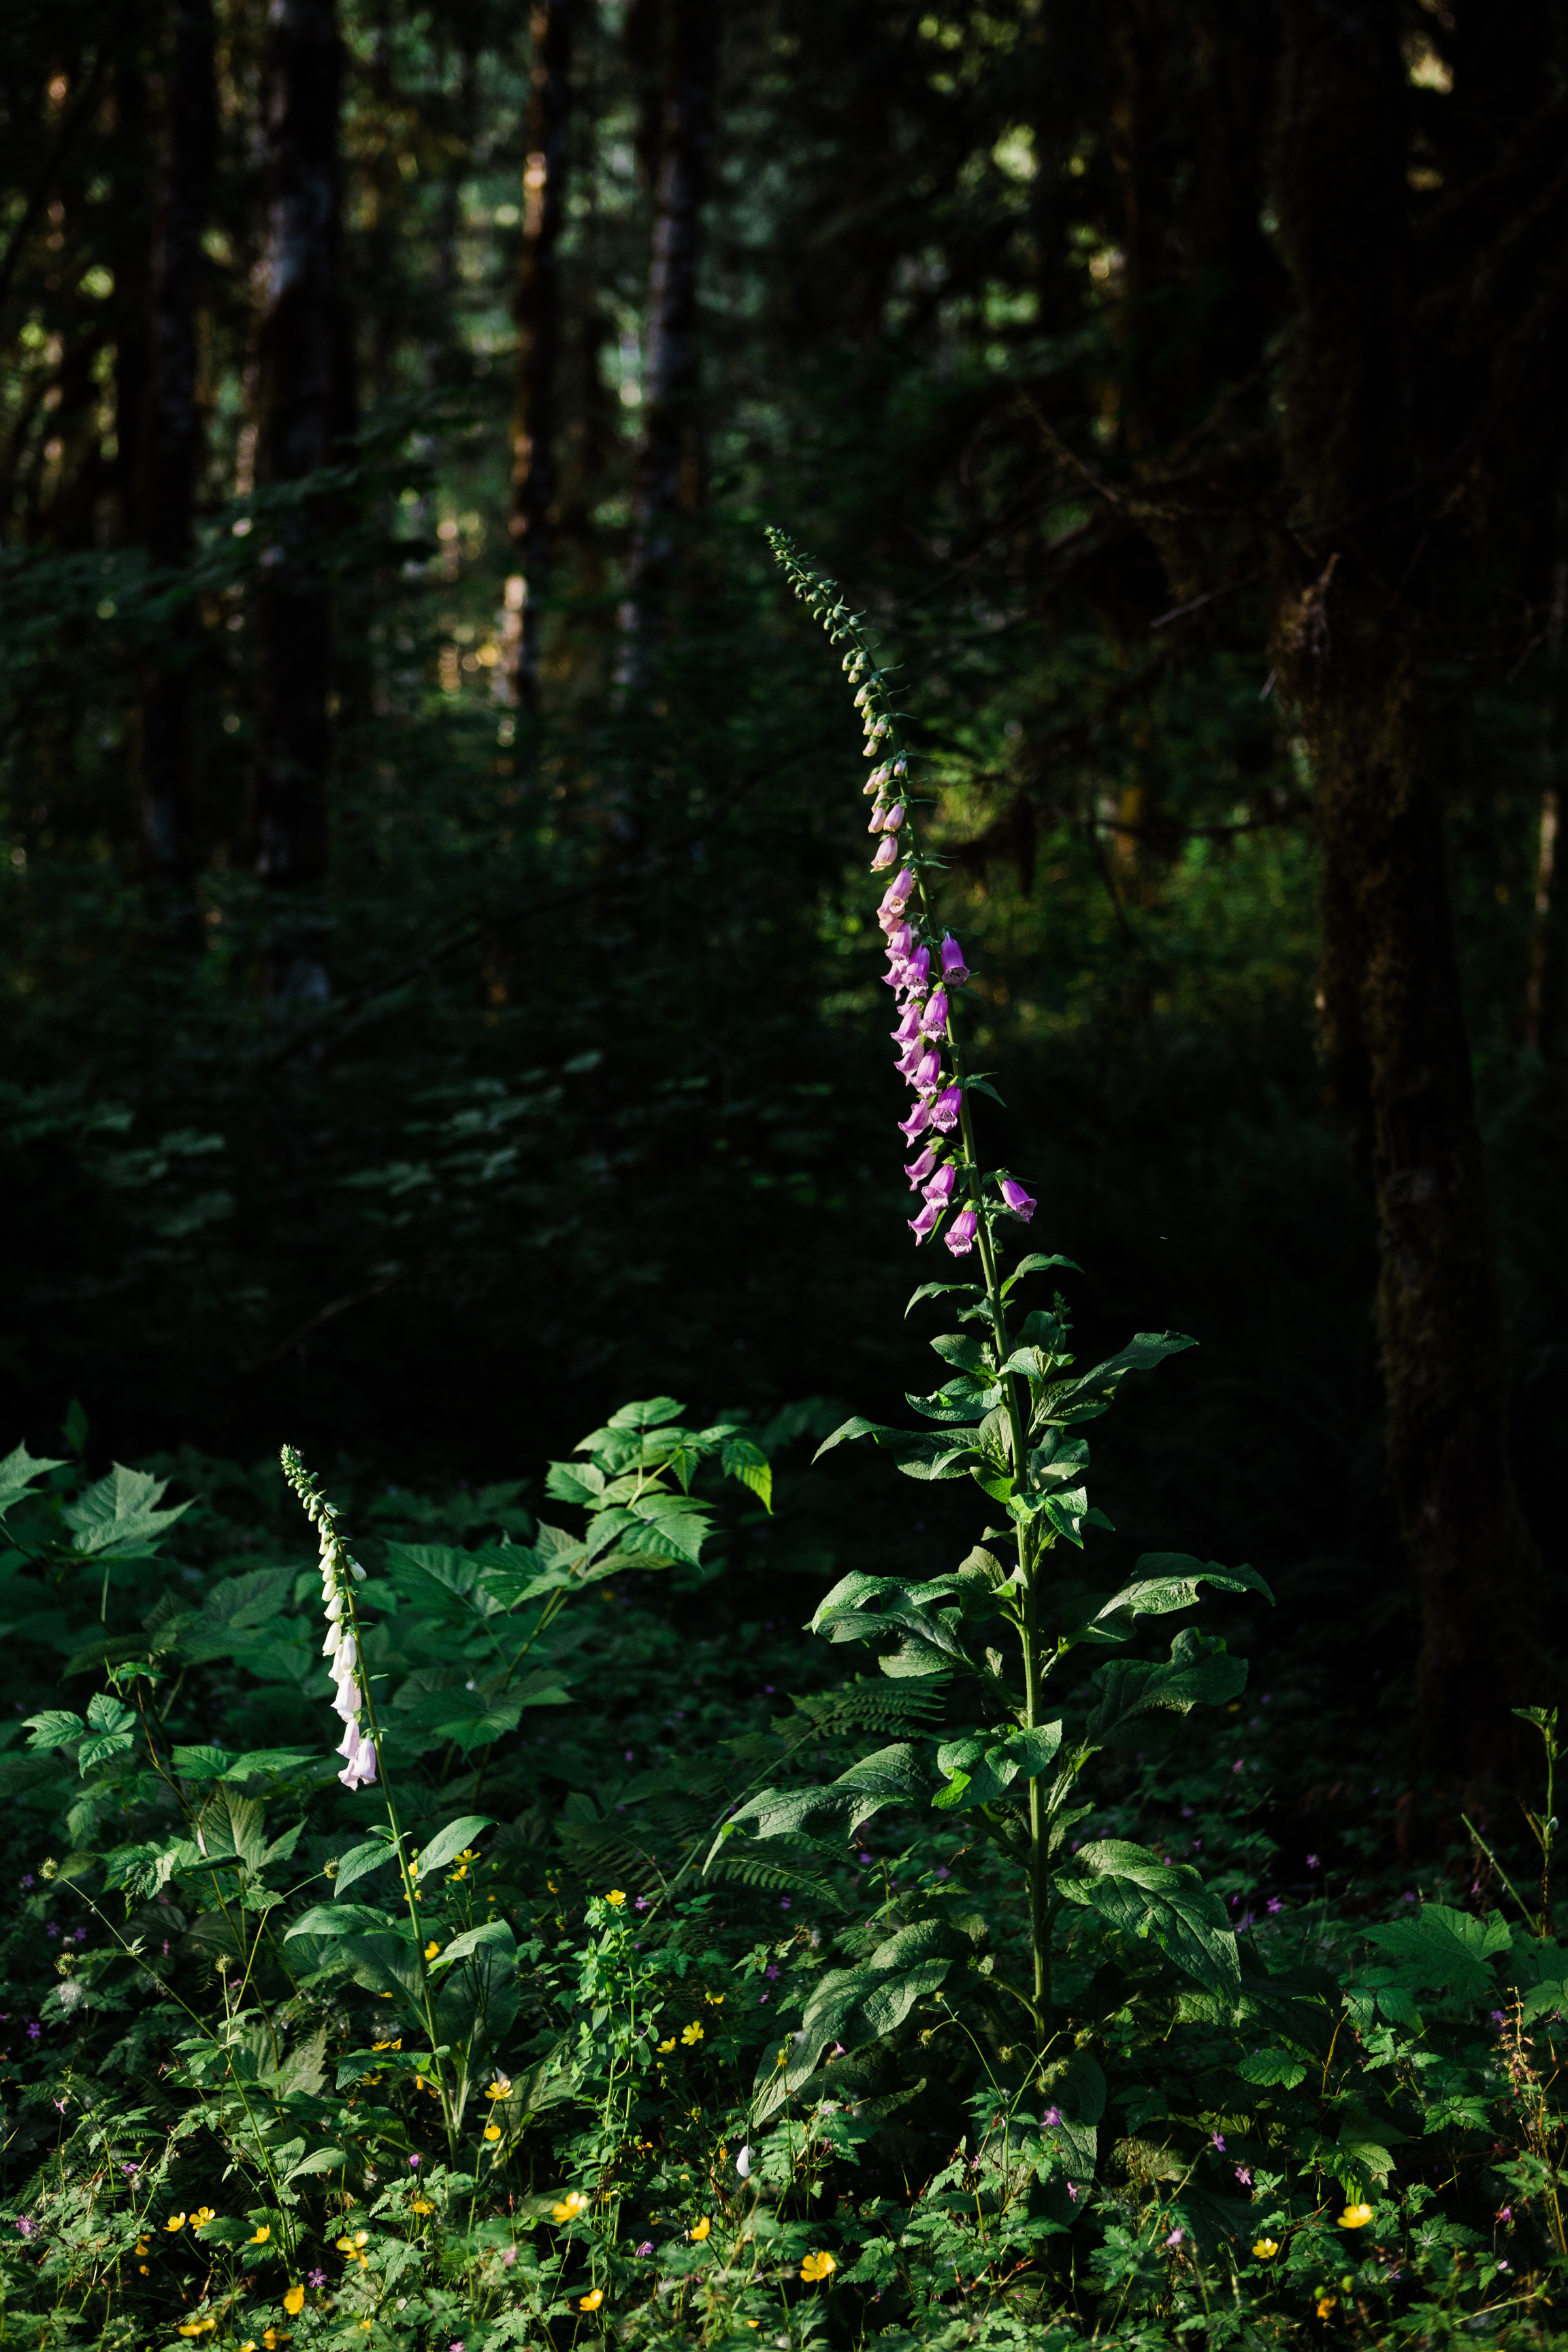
point(1325, 2305)
point(270, 2338)
point(258, 2237)
point(431, 1948)
point(423, 2205)
point(700, 2231)
point(202, 2216)
point(616, 1898)
point(590, 2301)
point(346, 2245)
point(362, 2237)
point(388, 2045)
point(142, 2245)
point(716, 2001)
point(492, 2131)
point(665, 2047)
point(1355, 2217)
point(249, 2345)
point(691, 2034)
point(571, 2205)
point(818, 2266)
point(1265, 2249)
point(197, 2326)
point(500, 2089)
point(294, 2301)
point(175, 2221)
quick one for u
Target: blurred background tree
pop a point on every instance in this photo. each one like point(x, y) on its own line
point(441, 993)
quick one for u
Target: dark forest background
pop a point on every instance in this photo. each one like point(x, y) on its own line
point(441, 991)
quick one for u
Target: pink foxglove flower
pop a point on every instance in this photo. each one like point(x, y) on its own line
point(887, 850)
point(917, 972)
point(360, 1769)
point(953, 967)
point(894, 817)
point(961, 1232)
point(929, 1072)
point(945, 1110)
point(925, 1224)
point(917, 1171)
point(878, 817)
point(918, 1119)
point(899, 891)
point(909, 1062)
point(900, 940)
point(934, 1022)
point(941, 1187)
point(909, 1028)
point(1018, 1200)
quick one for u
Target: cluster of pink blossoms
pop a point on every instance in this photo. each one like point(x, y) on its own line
point(920, 1038)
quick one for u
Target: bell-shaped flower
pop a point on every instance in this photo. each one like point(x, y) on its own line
point(960, 1233)
point(909, 1027)
point(909, 1062)
point(928, 1073)
point(941, 1187)
point(917, 972)
point(346, 1699)
point(878, 817)
point(1018, 1200)
point(887, 850)
point(360, 1765)
point(925, 1224)
point(934, 1022)
point(902, 764)
point(899, 891)
point(918, 1119)
point(945, 1110)
point(894, 817)
point(350, 1740)
point(900, 941)
point(953, 967)
point(917, 1171)
point(334, 1605)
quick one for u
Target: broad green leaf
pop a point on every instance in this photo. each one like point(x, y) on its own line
point(742, 1458)
point(652, 1413)
point(980, 1771)
point(1444, 1947)
point(574, 1482)
point(234, 1613)
point(119, 1514)
point(1036, 1263)
point(1165, 1580)
point(53, 1729)
point(111, 1730)
point(1083, 1399)
point(1268, 2068)
point(18, 1473)
point(894, 1776)
point(1133, 1890)
point(676, 1523)
point(200, 1763)
point(451, 1841)
point(338, 1920)
point(857, 2006)
point(846, 1433)
point(321, 2160)
point(969, 1355)
point(358, 1862)
point(940, 1290)
point(462, 1948)
point(1198, 1671)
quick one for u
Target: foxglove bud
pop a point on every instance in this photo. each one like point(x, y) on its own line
point(1018, 1200)
point(945, 1110)
point(878, 817)
point(887, 851)
point(902, 764)
point(961, 1232)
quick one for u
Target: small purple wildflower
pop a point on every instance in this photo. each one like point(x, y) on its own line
point(317, 2278)
point(34, 2029)
point(1275, 1905)
point(645, 2250)
point(414, 2160)
point(1052, 2117)
point(771, 1971)
point(1175, 2237)
point(53, 1929)
point(1243, 2175)
point(1216, 2139)
point(784, 1902)
point(26, 2227)
point(81, 1935)
point(1505, 2213)
point(27, 1878)
point(1311, 1861)
point(642, 1903)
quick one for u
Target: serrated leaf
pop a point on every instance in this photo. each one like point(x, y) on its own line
point(742, 1458)
point(1166, 1580)
point(1272, 2068)
point(451, 1841)
point(1444, 1948)
point(18, 1473)
point(119, 1514)
point(1085, 1398)
point(651, 1413)
point(54, 1728)
point(574, 1482)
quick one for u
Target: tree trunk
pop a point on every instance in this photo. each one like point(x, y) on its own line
point(174, 436)
point(1348, 642)
point(537, 310)
point(132, 244)
point(300, 392)
point(666, 470)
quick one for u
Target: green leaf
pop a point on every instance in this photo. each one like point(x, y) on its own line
point(321, 2160)
point(1137, 1893)
point(742, 1458)
point(894, 1776)
point(1271, 2068)
point(1444, 1948)
point(1199, 1671)
point(233, 1612)
point(200, 1763)
point(574, 1482)
point(18, 1473)
point(981, 1772)
point(1035, 1263)
point(855, 2007)
point(462, 1948)
point(358, 1862)
point(678, 1526)
point(1083, 1399)
point(119, 1514)
point(111, 1727)
point(652, 1413)
point(451, 1841)
point(1166, 1580)
point(53, 1729)
point(940, 1290)
point(338, 1920)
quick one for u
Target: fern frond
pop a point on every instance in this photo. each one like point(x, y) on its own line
point(767, 1878)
